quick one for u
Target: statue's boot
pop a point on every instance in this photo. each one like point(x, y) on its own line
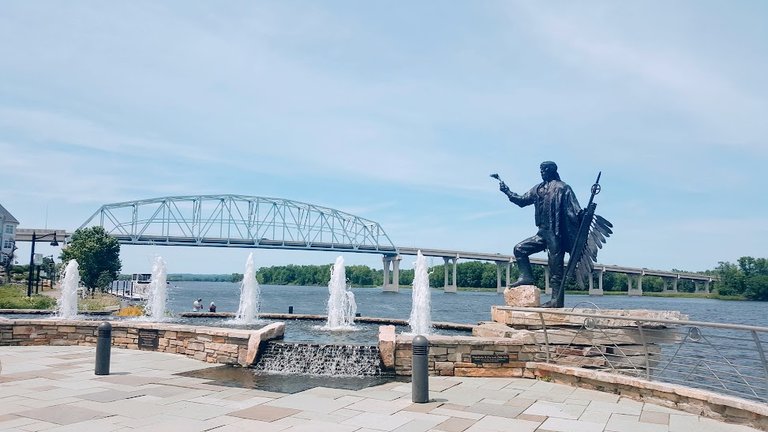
point(526, 273)
point(558, 294)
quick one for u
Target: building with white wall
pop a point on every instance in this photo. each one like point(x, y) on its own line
point(8, 225)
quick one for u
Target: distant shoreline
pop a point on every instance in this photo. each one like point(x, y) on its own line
point(713, 296)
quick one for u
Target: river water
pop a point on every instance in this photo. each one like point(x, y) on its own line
point(729, 353)
point(466, 307)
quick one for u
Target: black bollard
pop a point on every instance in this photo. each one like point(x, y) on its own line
point(357, 314)
point(420, 370)
point(290, 309)
point(103, 347)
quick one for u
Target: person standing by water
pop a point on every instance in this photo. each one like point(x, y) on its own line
point(212, 307)
point(197, 305)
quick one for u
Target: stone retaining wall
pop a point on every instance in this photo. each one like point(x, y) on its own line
point(460, 355)
point(208, 344)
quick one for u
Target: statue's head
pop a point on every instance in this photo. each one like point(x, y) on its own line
point(549, 171)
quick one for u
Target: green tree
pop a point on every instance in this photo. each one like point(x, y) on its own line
point(731, 279)
point(653, 284)
point(360, 275)
point(757, 287)
point(436, 276)
point(97, 255)
point(406, 277)
point(748, 278)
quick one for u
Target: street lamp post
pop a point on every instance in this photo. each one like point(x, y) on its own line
point(32, 258)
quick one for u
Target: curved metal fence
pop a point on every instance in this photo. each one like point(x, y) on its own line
point(723, 358)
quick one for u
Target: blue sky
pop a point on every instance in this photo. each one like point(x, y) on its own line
point(396, 112)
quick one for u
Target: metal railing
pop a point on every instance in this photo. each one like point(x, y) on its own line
point(724, 358)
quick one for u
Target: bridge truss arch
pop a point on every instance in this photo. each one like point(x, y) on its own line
point(239, 221)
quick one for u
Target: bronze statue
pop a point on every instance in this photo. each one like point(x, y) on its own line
point(562, 226)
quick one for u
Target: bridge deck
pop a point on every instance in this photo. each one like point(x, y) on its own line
point(25, 235)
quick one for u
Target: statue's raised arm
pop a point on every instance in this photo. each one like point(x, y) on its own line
point(520, 200)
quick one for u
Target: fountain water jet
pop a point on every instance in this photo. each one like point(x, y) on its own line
point(158, 292)
point(66, 305)
point(341, 302)
point(250, 293)
point(421, 311)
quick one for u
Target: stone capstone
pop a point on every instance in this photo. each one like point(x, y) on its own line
point(576, 317)
point(498, 330)
point(272, 331)
point(523, 296)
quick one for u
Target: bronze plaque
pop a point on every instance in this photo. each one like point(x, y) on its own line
point(490, 358)
point(148, 339)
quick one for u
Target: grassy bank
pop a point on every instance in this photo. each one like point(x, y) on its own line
point(98, 302)
point(15, 297)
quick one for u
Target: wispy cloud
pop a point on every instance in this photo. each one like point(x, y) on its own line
point(727, 113)
point(397, 115)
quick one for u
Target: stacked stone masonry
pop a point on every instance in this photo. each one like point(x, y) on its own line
point(468, 356)
point(208, 344)
point(612, 341)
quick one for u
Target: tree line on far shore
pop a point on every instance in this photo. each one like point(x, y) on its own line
point(748, 278)
point(99, 264)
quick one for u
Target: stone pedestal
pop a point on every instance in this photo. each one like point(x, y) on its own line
point(525, 319)
point(387, 339)
point(264, 334)
point(523, 296)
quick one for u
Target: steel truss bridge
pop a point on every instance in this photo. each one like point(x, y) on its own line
point(276, 223)
point(240, 221)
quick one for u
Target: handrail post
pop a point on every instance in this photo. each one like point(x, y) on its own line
point(645, 348)
point(546, 337)
point(761, 352)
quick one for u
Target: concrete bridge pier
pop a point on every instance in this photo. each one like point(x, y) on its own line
point(450, 288)
point(509, 267)
point(701, 287)
point(637, 289)
point(667, 287)
point(599, 290)
point(547, 287)
point(391, 279)
point(499, 286)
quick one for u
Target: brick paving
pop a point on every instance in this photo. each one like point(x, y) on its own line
point(54, 388)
